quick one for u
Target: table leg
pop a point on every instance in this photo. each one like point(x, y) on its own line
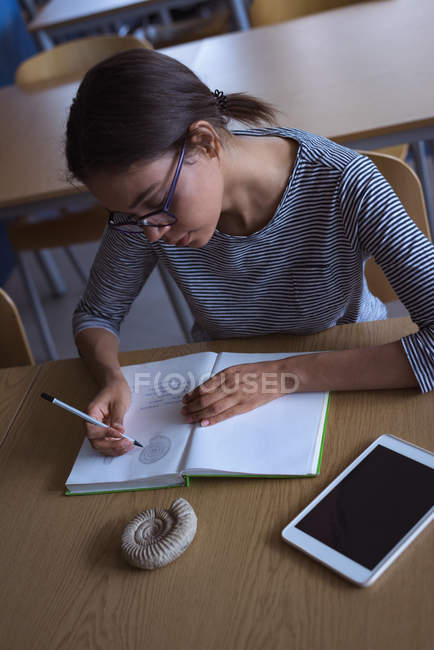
point(44, 40)
point(48, 265)
point(76, 264)
point(37, 306)
point(178, 302)
point(240, 14)
point(165, 16)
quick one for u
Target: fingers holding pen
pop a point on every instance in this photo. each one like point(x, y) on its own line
point(104, 427)
point(107, 441)
point(109, 406)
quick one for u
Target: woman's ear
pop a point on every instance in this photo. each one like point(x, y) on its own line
point(203, 137)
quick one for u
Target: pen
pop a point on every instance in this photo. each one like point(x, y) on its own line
point(86, 417)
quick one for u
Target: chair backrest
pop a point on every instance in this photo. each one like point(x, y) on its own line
point(14, 346)
point(266, 12)
point(409, 190)
point(70, 61)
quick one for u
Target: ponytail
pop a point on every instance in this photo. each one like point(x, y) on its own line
point(247, 109)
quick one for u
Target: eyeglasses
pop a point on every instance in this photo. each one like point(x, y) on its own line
point(157, 218)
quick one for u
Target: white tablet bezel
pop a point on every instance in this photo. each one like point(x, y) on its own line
point(340, 563)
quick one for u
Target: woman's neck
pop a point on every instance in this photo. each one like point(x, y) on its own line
point(256, 170)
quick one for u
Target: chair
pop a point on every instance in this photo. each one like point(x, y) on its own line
point(14, 346)
point(62, 64)
point(264, 12)
point(409, 190)
point(70, 61)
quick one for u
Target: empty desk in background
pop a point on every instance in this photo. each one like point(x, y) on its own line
point(239, 586)
point(58, 17)
point(32, 131)
point(359, 75)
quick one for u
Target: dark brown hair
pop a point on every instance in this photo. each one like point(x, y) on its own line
point(138, 105)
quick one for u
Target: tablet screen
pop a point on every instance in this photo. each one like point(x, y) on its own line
point(373, 507)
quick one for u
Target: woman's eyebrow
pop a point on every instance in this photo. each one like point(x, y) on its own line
point(142, 196)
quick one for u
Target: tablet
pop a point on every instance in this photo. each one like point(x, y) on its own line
point(367, 516)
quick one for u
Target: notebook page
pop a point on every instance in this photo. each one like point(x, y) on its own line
point(153, 419)
point(278, 438)
point(163, 443)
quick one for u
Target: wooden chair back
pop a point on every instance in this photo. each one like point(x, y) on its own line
point(70, 61)
point(266, 12)
point(409, 190)
point(14, 346)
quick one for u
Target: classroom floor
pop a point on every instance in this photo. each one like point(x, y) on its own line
point(150, 323)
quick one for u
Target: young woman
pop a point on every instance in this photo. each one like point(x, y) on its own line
point(265, 230)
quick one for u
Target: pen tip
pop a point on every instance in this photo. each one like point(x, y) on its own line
point(46, 396)
point(137, 443)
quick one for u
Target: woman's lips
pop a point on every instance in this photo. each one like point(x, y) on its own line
point(184, 240)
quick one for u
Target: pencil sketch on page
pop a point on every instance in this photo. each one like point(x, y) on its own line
point(157, 447)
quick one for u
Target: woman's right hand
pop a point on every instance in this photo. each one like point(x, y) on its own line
point(110, 406)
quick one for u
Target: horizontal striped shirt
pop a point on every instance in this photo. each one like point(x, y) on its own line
point(300, 274)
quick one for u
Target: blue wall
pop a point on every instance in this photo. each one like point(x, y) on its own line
point(16, 44)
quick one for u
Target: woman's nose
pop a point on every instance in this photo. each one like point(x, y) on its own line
point(154, 233)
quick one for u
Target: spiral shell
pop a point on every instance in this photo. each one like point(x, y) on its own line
point(157, 537)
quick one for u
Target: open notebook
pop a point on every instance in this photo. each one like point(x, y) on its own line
point(281, 438)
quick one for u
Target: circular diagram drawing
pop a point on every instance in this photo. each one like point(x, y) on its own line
point(155, 450)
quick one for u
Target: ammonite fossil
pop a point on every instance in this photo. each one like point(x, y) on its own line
point(157, 537)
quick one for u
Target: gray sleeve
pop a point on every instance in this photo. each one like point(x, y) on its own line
point(121, 266)
point(378, 222)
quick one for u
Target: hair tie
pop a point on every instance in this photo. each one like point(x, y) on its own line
point(221, 100)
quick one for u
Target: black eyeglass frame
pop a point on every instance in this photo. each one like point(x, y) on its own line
point(140, 222)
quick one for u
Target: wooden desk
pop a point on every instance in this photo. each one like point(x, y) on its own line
point(32, 130)
point(14, 386)
point(345, 74)
point(239, 586)
point(355, 74)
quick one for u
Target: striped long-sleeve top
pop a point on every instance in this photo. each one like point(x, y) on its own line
point(301, 273)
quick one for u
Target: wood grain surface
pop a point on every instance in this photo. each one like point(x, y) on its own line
point(348, 73)
point(239, 586)
point(14, 385)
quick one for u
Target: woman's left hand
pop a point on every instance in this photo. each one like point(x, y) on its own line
point(235, 390)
